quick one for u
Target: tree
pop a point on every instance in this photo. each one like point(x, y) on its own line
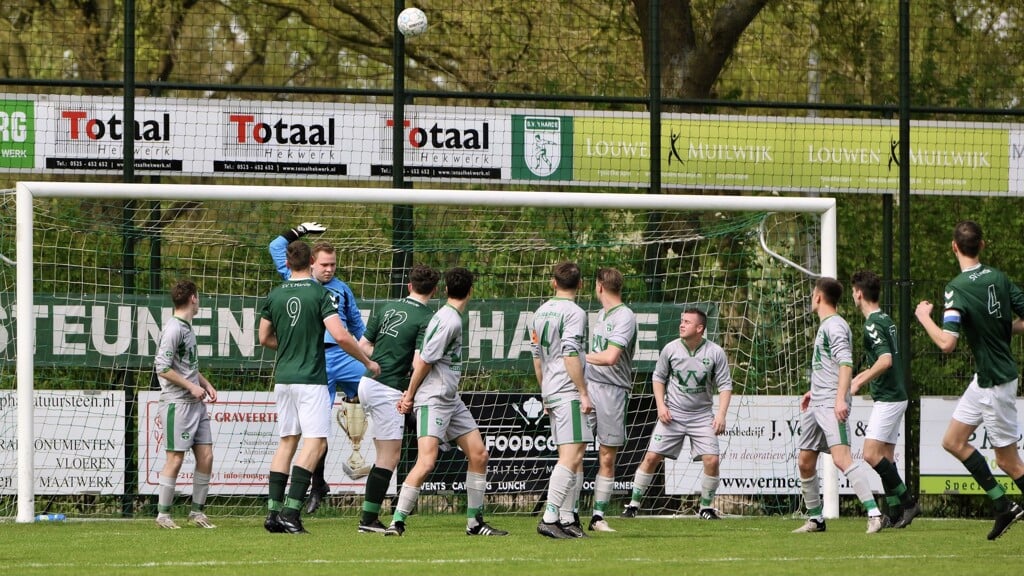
point(696, 41)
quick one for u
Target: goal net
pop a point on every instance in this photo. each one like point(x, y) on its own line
point(82, 308)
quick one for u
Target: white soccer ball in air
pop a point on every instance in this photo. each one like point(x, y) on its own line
point(412, 22)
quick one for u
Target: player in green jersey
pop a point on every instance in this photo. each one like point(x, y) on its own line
point(884, 374)
point(393, 337)
point(441, 415)
point(980, 303)
point(292, 321)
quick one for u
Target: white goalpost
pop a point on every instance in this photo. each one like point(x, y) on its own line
point(732, 254)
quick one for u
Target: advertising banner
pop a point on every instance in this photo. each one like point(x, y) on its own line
point(113, 330)
point(341, 141)
point(17, 134)
point(775, 154)
point(79, 446)
point(244, 440)
point(444, 145)
point(542, 147)
point(941, 473)
point(1016, 161)
point(77, 135)
point(759, 449)
point(79, 442)
point(517, 434)
point(261, 138)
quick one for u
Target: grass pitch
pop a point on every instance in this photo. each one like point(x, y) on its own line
point(437, 545)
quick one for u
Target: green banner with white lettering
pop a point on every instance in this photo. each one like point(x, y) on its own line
point(17, 134)
point(109, 330)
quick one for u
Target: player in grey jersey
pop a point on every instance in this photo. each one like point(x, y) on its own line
point(183, 388)
point(609, 378)
point(980, 303)
point(689, 371)
point(824, 425)
point(441, 415)
point(558, 334)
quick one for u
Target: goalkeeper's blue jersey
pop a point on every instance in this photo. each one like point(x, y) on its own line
point(340, 366)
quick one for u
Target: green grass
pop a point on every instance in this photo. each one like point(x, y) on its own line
point(436, 545)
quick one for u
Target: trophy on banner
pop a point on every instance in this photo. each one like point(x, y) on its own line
point(352, 419)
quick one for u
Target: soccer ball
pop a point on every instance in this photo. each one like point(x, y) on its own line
point(412, 22)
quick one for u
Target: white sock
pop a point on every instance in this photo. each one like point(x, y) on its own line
point(708, 487)
point(567, 515)
point(812, 496)
point(407, 498)
point(603, 487)
point(641, 482)
point(559, 487)
point(165, 495)
point(476, 485)
point(861, 483)
point(200, 488)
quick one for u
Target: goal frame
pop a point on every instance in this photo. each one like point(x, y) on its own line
point(27, 191)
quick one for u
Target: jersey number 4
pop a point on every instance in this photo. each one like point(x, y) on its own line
point(994, 305)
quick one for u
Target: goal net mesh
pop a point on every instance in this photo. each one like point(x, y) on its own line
point(103, 268)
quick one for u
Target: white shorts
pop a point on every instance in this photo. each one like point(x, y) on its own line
point(300, 410)
point(568, 423)
point(885, 420)
point(821, 430)
point(995, 407)
point(381, 404)
point(667, 439)
point(609, 416)
point(446, 422)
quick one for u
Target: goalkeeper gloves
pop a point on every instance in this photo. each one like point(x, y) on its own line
point(303, 229)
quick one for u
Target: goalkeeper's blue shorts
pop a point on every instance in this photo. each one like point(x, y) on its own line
point(343, 372)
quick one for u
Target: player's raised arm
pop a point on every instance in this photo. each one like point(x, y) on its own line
point(279, 245)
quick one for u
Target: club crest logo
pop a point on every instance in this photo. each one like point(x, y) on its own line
point(542, 147)
point(542, 140)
